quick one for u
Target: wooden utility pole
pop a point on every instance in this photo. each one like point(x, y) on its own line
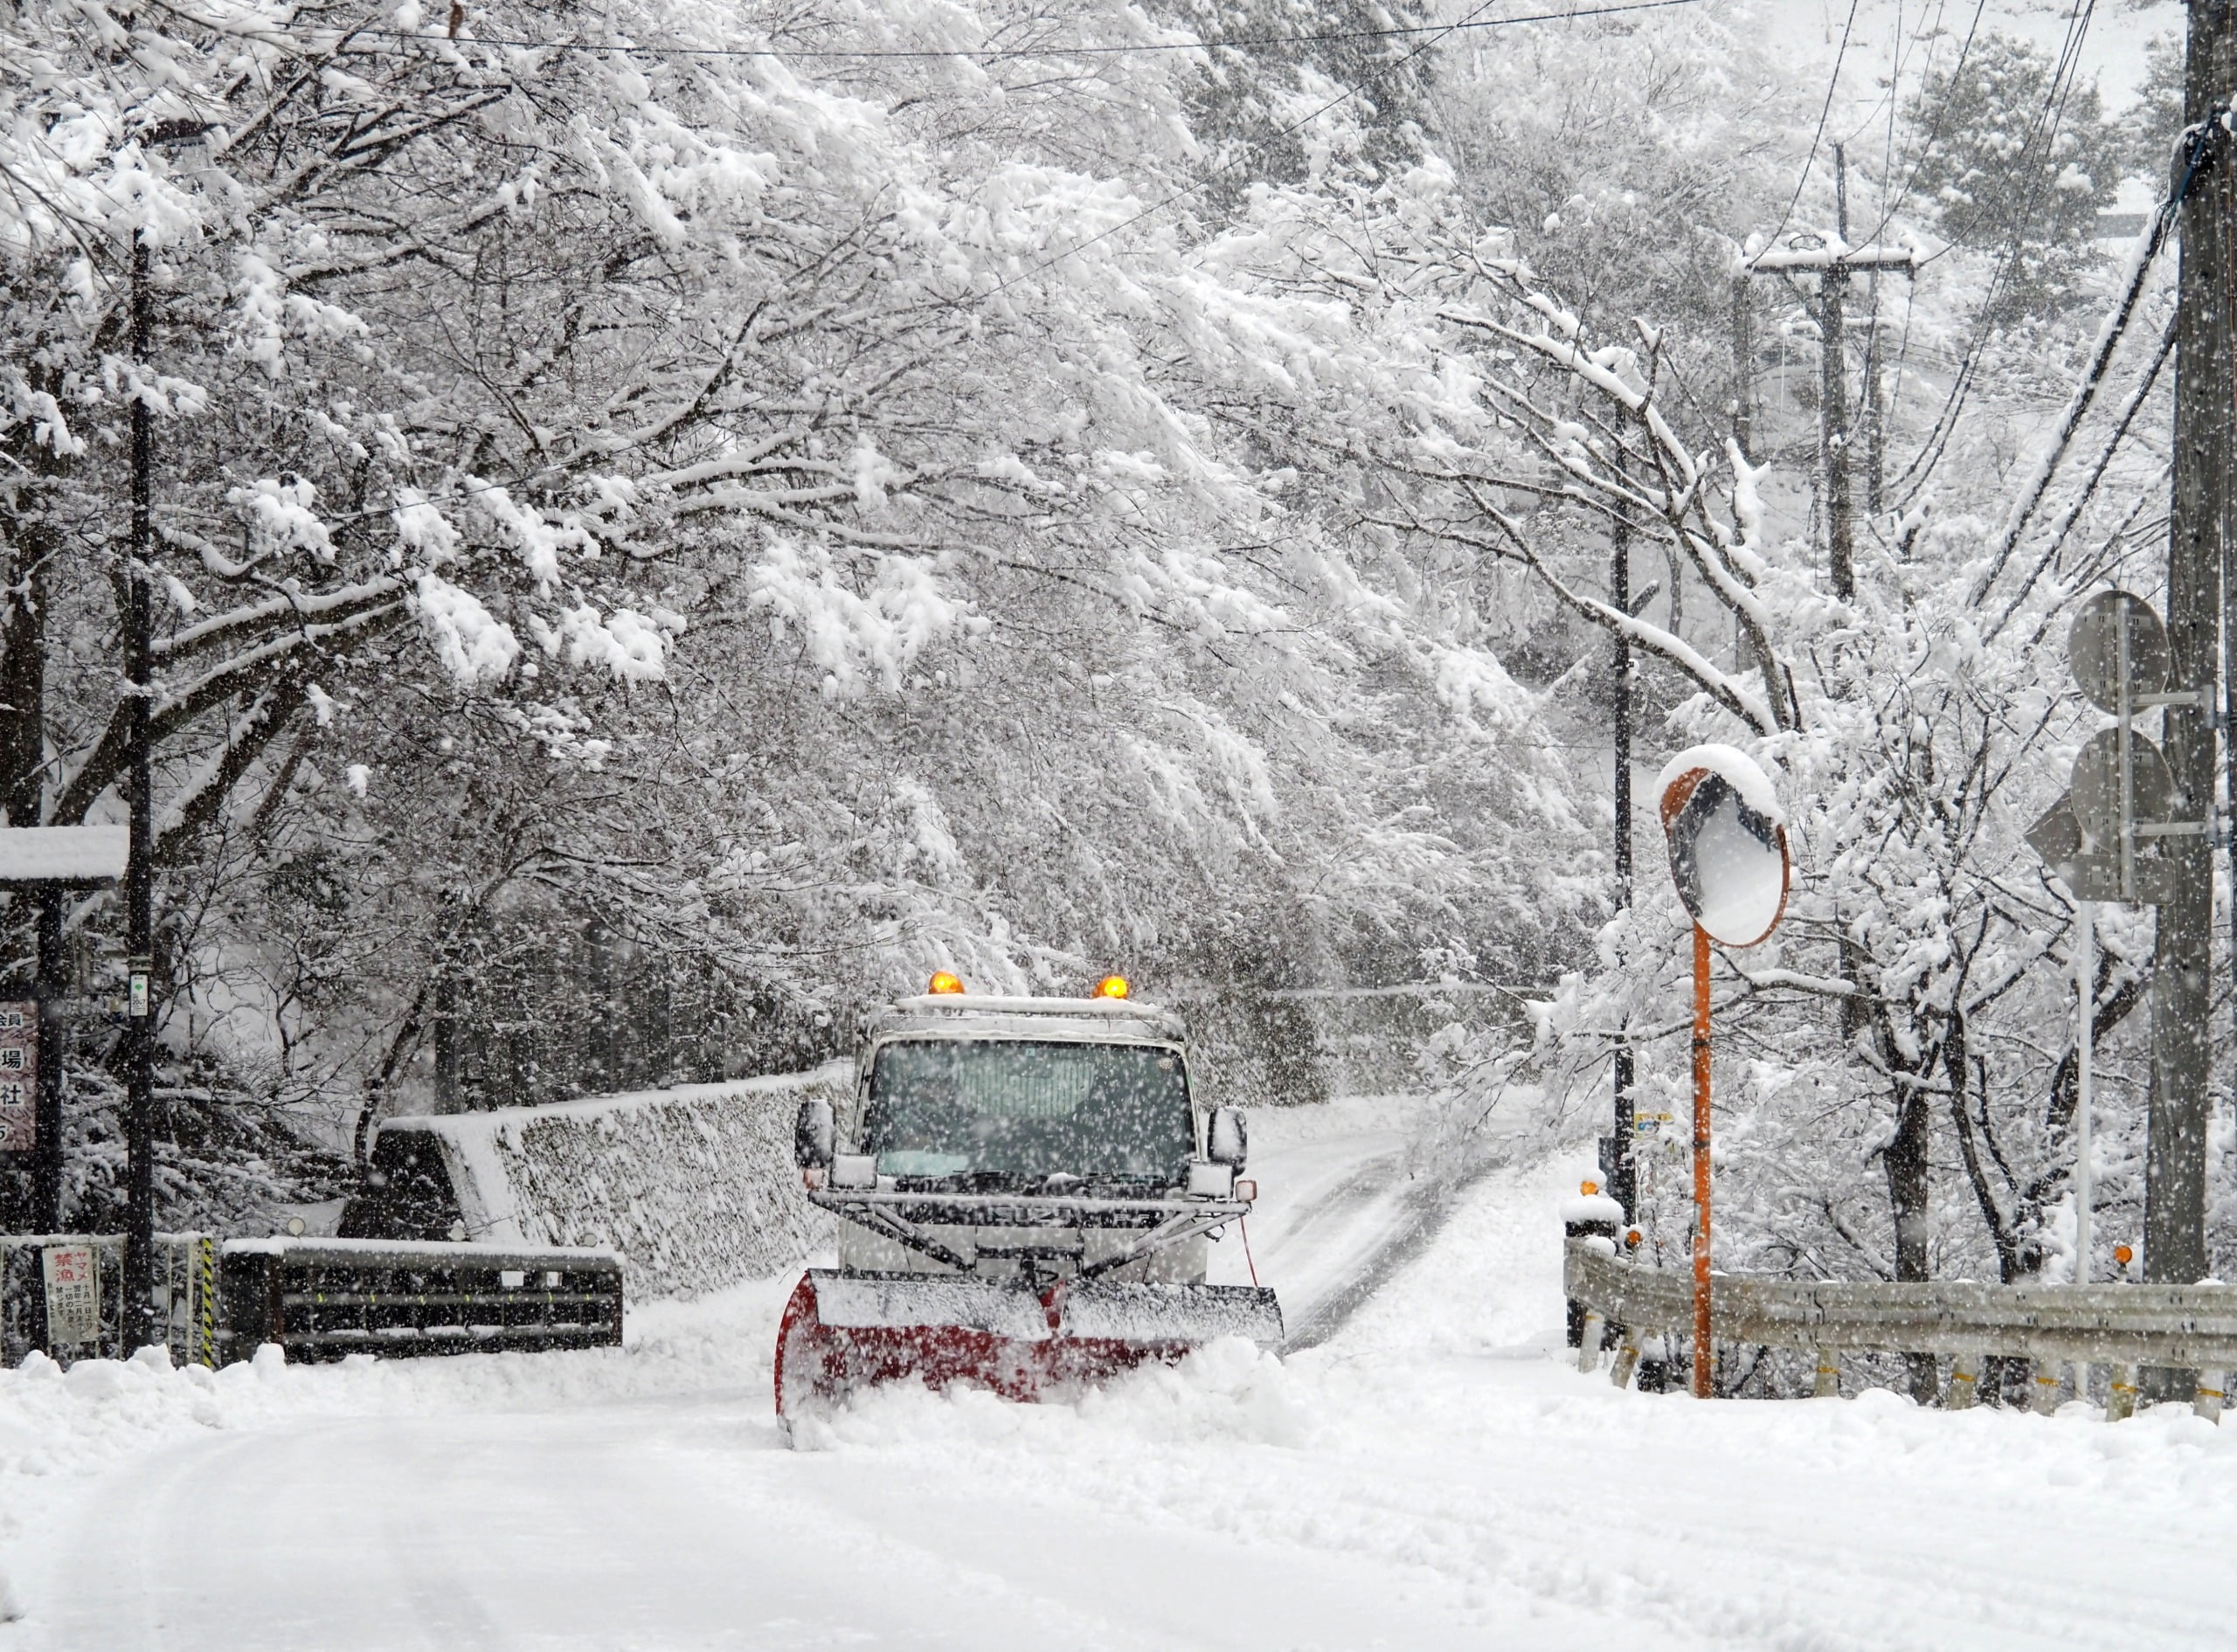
point(1833, 266)
point(2174, 1218)
point(1743, 368)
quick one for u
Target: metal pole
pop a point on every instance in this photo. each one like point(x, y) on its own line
point(1624, 1169)
point(2085, 986)
point(137, 1310)
point(2175, 1151)
point(1704, 1340)
point(46, 1162)
point(2126, 740)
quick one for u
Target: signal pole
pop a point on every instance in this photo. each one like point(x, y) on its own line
point(2174, 1219)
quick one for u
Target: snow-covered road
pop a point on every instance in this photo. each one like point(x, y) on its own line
point(1429, 1475)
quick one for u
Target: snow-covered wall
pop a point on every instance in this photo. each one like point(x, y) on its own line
point(695, 1186)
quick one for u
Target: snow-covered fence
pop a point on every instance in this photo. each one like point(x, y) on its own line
point(695, 1186)
point(2185, 1327)
point(180, 1296)
point(325, 1298)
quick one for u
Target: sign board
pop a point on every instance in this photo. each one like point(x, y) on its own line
point(2094, 794)
point(18, 1076)
point(73, 1295)
point(2095, 875)
point(2111, 623)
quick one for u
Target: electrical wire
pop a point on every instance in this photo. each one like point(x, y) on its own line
point(1436, 30)
point(1817, 138)
point(1934, 132)
point(2064, 75)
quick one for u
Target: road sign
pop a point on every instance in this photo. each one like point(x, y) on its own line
point(2094, 648)
point(2095, 876)
point(2096, 796)
point(73, 1295)
point(18, 1076)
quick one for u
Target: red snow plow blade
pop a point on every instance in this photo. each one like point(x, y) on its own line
point(843, 1331)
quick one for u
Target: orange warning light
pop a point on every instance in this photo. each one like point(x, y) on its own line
point(1588, 1187)
point(2122, 1254)
point(944, 983)
point(1110, 986)
point(1632, 1237)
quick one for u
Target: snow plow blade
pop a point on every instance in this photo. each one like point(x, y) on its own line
point(843, 1331)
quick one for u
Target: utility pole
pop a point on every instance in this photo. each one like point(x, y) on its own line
point(138, 1314)
point(2174, 1199)
point(1623, 1168)
point(1743, 368)
point(1833, 396)
point(1833, 266)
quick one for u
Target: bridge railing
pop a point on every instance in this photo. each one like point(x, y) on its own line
point(2186, 1327)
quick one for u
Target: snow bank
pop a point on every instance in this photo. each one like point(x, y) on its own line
point(695, 1186)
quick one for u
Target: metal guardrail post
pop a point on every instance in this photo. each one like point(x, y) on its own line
point(1965, 1382)
point(2050, 1382)
point(1829, 1374)
point(2207, 1401)
point(1587, 1345)
point(2120, 1397)
point(1627, 1359)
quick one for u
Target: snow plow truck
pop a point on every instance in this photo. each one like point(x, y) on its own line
point(1028, 1187)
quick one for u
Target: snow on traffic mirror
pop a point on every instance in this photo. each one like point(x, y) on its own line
point(1728, 842)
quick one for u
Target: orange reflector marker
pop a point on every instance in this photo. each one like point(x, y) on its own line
point(1110, 986)
point(944, 983)
point(1588, 1188)
point(2122, 1254)
point(1632, 1237)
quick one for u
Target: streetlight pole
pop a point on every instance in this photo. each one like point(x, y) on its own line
point(138, 1320)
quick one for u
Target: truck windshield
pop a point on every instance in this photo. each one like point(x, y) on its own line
point(1000, 1111)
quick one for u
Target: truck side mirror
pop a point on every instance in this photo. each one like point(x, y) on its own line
point(813, 1135)
point(1228, 1142)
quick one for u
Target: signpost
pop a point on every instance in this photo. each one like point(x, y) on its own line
point(1728, 855)
point(2103, 838)
point(73, 1295)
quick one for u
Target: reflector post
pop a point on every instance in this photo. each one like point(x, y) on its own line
point(943, 982)
point(1110, 986)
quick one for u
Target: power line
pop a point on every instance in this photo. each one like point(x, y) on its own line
point(1817, 137)
point(1934, 133)
point(1436, 30)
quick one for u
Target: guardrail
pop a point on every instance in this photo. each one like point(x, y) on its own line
point(323, 1299)
point(326, 1298)
point(2185, 1327)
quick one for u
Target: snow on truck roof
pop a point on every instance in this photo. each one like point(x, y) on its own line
point(1027, 1017)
